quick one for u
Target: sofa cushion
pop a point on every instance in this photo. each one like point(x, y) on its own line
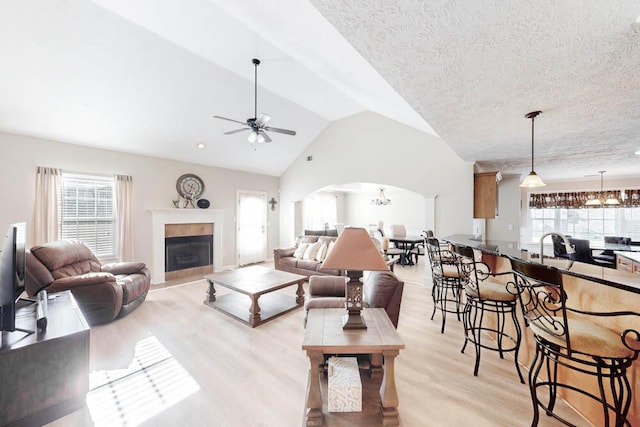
point(288, 261)
point(379, 287)
point(327, 286)
point(306, 239)
point(326, 239)
point(307, 264)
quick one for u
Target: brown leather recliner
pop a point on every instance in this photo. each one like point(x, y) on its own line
point(103, 292)
point(382, 289)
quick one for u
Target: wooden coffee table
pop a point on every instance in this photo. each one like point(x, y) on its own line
point(257, 283)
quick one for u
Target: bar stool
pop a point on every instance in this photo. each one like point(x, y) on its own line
point(488, 297)
point(447, 281)
point(575, 343)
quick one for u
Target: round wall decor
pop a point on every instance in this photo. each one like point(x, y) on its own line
point(190, 186)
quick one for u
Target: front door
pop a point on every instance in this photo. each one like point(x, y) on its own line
point(251, 231)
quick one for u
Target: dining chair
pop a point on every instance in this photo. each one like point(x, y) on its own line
point(489, 306)
point(574, 340)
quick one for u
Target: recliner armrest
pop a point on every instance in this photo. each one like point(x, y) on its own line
point(88, 279)
point(124, 267)
point(328, 286)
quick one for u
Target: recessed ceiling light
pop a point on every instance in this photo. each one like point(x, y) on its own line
point(200, 145)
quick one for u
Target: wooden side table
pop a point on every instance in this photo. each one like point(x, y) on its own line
point(324, 335)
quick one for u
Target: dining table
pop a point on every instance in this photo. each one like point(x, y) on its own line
point(407, 244)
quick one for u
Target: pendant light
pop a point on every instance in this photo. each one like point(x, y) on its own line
point(610, 200)
point(532, 180)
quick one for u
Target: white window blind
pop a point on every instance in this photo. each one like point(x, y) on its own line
point(87, 212)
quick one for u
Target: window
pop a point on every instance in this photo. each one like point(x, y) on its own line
point(320, 212)
point(87, 212)
point(591, 224)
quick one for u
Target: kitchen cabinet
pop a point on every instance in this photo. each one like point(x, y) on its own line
point(485, 195)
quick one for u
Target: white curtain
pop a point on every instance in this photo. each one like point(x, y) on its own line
point(124, 186)
point(45, 227)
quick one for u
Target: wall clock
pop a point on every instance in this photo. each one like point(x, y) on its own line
point(190, 186)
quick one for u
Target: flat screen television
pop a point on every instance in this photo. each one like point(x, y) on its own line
point(12, 274)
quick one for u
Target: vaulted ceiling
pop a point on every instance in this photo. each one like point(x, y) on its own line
point(147, 76)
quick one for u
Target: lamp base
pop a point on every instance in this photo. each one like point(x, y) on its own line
point(353, 320)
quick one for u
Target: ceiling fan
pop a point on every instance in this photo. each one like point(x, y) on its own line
point(256, 124)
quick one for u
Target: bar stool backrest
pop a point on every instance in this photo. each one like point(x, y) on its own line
point(542, 299)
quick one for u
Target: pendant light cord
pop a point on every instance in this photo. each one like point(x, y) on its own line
point(532, 156)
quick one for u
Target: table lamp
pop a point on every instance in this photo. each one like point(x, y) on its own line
point(354, 251)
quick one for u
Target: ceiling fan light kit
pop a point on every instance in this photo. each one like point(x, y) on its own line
point(532, 180)
point(256, 124)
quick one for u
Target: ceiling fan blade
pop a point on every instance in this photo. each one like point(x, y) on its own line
point(231, 120)
point(231, 132)
point(266, 137)
point(285, 131)
point(262, 119)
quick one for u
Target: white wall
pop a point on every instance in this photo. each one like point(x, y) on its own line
point(406, 208)
point(154, 186)
point(368, 147)
point(506, 226)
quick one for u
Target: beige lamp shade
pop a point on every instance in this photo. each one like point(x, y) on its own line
point(354, 250)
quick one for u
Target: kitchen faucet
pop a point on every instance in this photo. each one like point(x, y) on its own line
point(568, 247)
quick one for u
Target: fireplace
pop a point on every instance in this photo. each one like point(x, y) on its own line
point(185, 252)
point(163, 217)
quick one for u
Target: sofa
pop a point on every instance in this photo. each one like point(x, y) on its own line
point(104, 292)
point(301, 259)
point(382, 289)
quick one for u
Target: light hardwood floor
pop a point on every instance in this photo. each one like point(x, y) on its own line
point(181, 363)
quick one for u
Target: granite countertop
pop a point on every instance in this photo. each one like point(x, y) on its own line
point(606, 276)
point(633, 256)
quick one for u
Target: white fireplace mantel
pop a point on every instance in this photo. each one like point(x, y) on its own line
point(163, 216)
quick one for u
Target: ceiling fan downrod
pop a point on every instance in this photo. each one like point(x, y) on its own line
point(255, 62)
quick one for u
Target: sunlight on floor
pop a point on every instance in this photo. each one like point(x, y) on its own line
point(153, 382)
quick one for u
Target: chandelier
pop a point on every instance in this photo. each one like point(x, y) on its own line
point(381, 200)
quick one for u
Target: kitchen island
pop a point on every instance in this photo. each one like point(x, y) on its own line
point(589, 288)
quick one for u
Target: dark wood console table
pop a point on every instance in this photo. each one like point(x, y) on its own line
point(45, 375)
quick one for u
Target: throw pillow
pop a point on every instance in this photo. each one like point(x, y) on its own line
point(322, 252)
point(312, 252)
point(329, 248)
point(299, 253)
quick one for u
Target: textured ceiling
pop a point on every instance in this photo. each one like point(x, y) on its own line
point(474, 69)
point(147, 76)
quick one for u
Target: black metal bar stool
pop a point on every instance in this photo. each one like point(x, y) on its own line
point(567, 337)
point(488, 298)
point(447, 281)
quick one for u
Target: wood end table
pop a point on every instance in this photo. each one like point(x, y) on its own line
point(324, 335)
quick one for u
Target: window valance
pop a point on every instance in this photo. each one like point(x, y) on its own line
point(578, 199)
